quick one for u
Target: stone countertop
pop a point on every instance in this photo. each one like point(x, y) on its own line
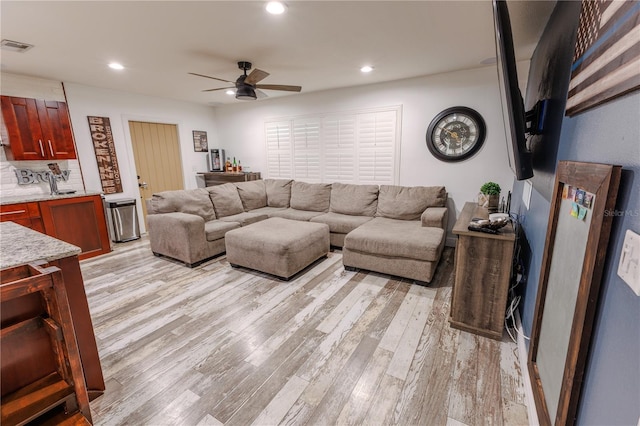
point(43, 197)
point(20, 246)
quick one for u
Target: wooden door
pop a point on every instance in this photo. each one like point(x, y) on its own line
point(23, 129)
point(156, 151)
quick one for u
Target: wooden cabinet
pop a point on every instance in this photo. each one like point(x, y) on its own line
point(37, 129)
point(79, 221)
point(482, 272)
point(25, 214)
point(219, 178)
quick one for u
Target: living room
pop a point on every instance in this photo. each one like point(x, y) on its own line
point(239, 127)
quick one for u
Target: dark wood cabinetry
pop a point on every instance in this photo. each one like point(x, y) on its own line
point(482, 272)
point(79, 221)
point(219, 178)
point(37, 129)
point(25, 214)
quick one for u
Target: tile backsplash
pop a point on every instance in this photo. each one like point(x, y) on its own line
point(9, 186)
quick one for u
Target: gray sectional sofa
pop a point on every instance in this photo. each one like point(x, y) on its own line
point(388, 229)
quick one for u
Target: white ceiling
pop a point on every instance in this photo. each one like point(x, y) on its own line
point(318, 45)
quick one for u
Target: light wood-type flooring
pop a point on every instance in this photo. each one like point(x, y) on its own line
point(216, 345)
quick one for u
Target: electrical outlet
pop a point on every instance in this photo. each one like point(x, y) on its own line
point(628, 268)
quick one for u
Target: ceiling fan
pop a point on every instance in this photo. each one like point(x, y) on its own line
point(246, 85)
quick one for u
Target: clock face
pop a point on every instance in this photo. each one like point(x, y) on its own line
point(455, 134)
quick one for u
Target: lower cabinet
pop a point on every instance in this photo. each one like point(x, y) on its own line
point(77, 220)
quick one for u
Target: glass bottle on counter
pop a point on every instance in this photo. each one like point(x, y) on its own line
point(239, 166)
point(235, 165)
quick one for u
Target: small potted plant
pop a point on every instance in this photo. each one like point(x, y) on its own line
point(491, 193)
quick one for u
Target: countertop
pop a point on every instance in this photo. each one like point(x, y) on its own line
point(20, 245)
point(44, 197)
point(471, 210)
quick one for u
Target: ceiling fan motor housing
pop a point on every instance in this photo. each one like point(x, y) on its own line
point(245, 66)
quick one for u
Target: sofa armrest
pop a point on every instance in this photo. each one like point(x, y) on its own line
point(177, 235)
point(436, 217)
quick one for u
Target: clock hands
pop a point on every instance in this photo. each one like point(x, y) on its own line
point(452, 134)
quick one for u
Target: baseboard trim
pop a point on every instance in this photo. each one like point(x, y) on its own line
point(528, 389)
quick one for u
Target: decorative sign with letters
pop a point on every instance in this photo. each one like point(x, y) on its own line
point(100, 128)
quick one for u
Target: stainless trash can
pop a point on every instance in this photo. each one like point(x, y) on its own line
point(123, 220)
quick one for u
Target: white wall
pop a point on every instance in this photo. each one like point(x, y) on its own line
point(240, 127)
point(121, 107)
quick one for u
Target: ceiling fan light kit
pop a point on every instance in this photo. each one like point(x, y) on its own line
point(246, 85)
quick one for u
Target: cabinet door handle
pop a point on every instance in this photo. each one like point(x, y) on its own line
point(51, 149)
point(13, 212)
point(41, 148)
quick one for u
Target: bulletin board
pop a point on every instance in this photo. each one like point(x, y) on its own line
point(577, 237)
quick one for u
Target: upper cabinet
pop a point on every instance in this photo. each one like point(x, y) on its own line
point(37, 129)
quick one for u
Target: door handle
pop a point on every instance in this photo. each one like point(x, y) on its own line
point(51, 149)
point(143, 185)
point(41, 148)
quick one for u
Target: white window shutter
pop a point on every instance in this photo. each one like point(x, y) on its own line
point(278, 137)
point(376, 147)
point(307, 149)
point(339, 137)
point(360, 147)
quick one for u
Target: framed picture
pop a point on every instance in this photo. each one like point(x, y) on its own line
point(200, 141)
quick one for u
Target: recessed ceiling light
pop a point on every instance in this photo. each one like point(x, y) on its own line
point(116, 66)
point(276, 7)
point(366, 68)
point(230, 92)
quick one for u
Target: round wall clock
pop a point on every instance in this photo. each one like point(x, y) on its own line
point(456, 133)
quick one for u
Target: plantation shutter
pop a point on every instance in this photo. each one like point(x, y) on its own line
point(307, 149)
point(376, 135)
point(278, 135)
point(360, 147)
point(339, 137)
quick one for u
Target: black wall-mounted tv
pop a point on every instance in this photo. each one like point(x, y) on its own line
point(520, 158)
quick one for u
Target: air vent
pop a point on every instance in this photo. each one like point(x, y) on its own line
point(15, 46)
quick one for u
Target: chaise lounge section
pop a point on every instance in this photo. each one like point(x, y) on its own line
point(388, 229)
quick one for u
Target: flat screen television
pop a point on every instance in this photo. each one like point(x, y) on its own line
point(520, 158)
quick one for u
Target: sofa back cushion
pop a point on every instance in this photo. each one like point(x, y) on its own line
point(314, 197)
point(278, 192)
point(226, 200)
point(253, 194)
point(192, 201)
point(355, 200)
point(408, 203)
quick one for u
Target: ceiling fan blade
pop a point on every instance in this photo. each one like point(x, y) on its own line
point(260, 94)
point(279, 87)
point(219, 88)
point(255, 76)
point(213, 78)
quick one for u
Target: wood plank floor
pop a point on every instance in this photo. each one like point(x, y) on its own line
point(216, 345)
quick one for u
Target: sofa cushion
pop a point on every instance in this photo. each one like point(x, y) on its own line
point(253, 194)
point(293, 214)
point(359, 200)
point(278, 192)
point(408, 203)
point(226, 200)
point(397, 238)
point(215, 229)
point(267, 210)
point(192, 201)
point(341, 223)
point(245, 218)
point(313, 197)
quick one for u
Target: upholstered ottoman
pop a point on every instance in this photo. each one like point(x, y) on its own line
point(277, 246)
